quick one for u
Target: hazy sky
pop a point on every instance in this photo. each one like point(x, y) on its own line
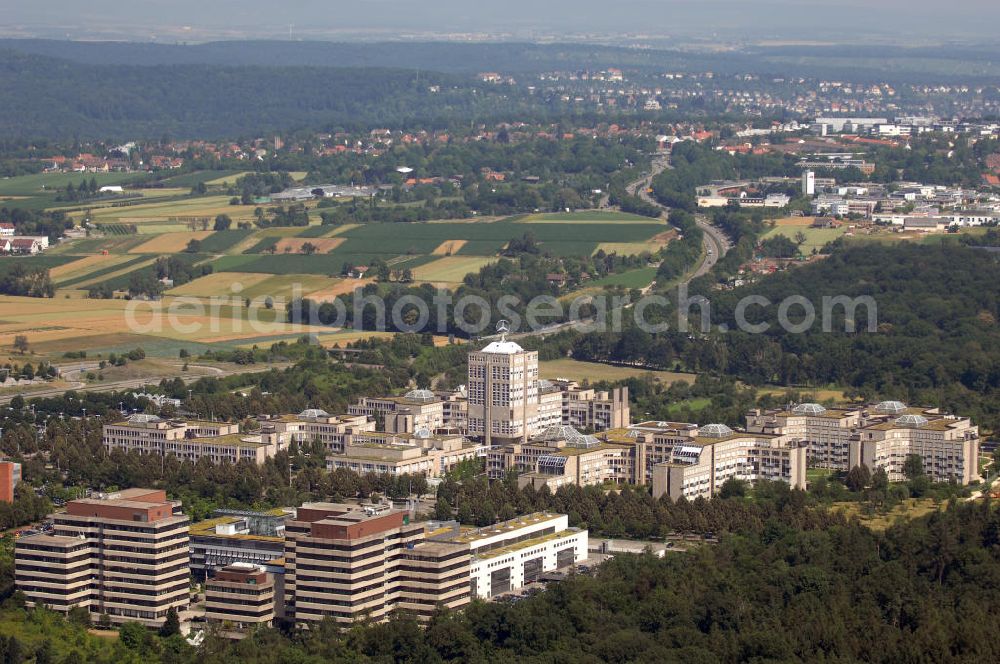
point(824, 20)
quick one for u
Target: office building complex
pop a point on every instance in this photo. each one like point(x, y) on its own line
point(880, 436)
point(808, 183)
point(416, 410)
point(219, 441)
point(676, 458)
point(124, 555)
point(561, 455)
point(422, 453)
point(242, 595)
point(311, 425)
point(347, 563)
point(716, 453)
point(826, 431)
point(237, 536)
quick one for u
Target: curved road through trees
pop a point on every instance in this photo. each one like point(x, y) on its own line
point(716, 243)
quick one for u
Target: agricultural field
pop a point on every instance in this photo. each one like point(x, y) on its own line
point(270, 262)
point(411, 242)
point(48, 184)
point(595, 372)
point(817, 394)
point(254, 285)
point(227, 180)
point(82, 268)
point(450, 269)
point(584, 216)
point(56, 326)
point(222, 241)
point(169, 243)
point(298, 245)
point(181, 210)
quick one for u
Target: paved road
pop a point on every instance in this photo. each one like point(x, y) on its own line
point(716, 243)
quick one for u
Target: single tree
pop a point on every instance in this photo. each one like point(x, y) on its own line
point(172, 624)
point(21, 343)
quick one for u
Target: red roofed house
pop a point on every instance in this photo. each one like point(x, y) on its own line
point(25, 245)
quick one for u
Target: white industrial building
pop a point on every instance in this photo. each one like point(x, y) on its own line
point(511, 554)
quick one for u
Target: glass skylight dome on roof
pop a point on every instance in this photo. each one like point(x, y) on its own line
point(143, 418)
point(891, 407)
point(312, 413)
point(572, 437)
point(911, 421)
point(809, 409)
point(420, 395)
point(715, 431)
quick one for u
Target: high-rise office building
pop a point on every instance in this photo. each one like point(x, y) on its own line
point(349, 563)
point(123, 554)
point(503, 392)
point(808, 183)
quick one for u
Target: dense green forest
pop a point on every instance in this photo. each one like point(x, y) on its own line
point(936, 338)
point(867, 63)
point(61, 100)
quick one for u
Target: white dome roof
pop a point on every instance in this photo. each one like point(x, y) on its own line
point(314, 413)
point(892, 407)
point(422, 432)
point(503, 348)
point(809, 409)
point(715, 431)
point(143, 418)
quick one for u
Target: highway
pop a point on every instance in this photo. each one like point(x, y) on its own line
point(716, 243)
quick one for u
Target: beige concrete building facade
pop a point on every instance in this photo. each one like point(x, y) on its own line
point(219, 441)
point(422, 453)
point(503, 393)
point(311, 425)
point(703, 464)
point(879, 435)
point(827, 431)
point(947, 445)
point(347, 563)
point(124, 555)
point(241, 595)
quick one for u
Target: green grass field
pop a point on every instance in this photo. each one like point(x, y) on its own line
point(450, 269)
point(48, 183)
point(639, 278)
point(489, 238)
point(221, 241)
point(584, 216)
point(595, 372)
point(912, 508)
point(44, 262)
point(816, 238)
